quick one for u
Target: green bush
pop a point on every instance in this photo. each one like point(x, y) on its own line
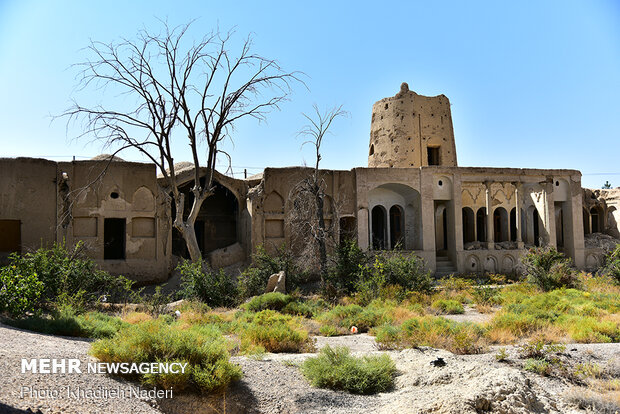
point(448, 306)
point(199, 281)
point(202, 347)
point(538, 366)
point(20, 292)
point(272, 332)
point(66, 277)
point(548, 269)
point(344, 317)
point(611, 264)
point(272, 300)
point(66, 323)
point(337, 369)
point(437, 332)
point(253, 280)
point(399, 269)
point(299, 309)
point(343, 273)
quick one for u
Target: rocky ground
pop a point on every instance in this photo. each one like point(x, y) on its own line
point(273, 384)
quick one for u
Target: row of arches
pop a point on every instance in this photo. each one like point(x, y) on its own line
point(395, 217)
point(504, 225)
point(596, 221)
point(387, 225)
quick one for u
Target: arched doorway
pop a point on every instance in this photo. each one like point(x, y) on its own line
point(469, 229)
point(397, 225)
point(379, 230)
point(500, 225)
point(595, 219)
point(513, 224)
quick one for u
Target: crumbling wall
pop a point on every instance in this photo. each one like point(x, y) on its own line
point(127, 193)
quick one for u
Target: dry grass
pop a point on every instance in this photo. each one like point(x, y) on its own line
point(487, 309)
point(594, 402)
point(401, 314)
point(137, 317)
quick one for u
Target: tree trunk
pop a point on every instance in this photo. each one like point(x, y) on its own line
point(318, 196)
point(186, 226)
point(189, 234)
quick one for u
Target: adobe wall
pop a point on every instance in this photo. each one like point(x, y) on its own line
point(127, 191)
point(28, 195)
point(270, 203)
point(404, 126)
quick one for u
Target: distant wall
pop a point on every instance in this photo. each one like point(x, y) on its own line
point(27, 204)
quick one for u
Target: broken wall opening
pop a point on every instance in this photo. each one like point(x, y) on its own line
point(348, 229)
point(216, 223)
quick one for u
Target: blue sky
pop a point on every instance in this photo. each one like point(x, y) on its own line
point(532, 84)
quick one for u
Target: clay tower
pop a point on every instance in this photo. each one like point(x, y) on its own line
point(411, 130)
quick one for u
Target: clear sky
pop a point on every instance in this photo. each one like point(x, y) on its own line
point(532, 84)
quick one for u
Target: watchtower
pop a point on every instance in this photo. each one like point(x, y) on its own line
point(411, 130)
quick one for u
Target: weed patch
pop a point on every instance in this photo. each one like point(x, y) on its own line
point(337, 369)
point(203, 348)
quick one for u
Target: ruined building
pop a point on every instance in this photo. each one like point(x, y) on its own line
point(412, 196)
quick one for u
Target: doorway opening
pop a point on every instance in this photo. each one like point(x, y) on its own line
point(378, 228)
point(114, 239)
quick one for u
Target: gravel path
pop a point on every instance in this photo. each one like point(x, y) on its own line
point(15, 394)
point(466, 384)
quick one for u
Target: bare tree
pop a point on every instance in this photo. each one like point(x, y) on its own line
point(171, 89)
point(308, 213)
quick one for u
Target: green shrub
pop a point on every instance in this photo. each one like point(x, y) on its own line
point(272, 332)
point(611, 264)
point(253, 280)
point(485, 295)
point(538, 366)
point(20, 292)
point(156, 303)
point(448, 306)
point(405, 271)
point(343, 273)
point(66, 323)
point(199, 281)
point(202, 347)
point(67, 277)
point(548, 269)
point(539, 349)
point(579, 314)
point(437, 332)
point(299, 309)
point(344, 317)
point(337, 369)
point(272, 300)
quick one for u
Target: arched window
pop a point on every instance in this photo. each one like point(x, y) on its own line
point(468, 225)
point(379, 229)
point(500, 225)
point(397, 227)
